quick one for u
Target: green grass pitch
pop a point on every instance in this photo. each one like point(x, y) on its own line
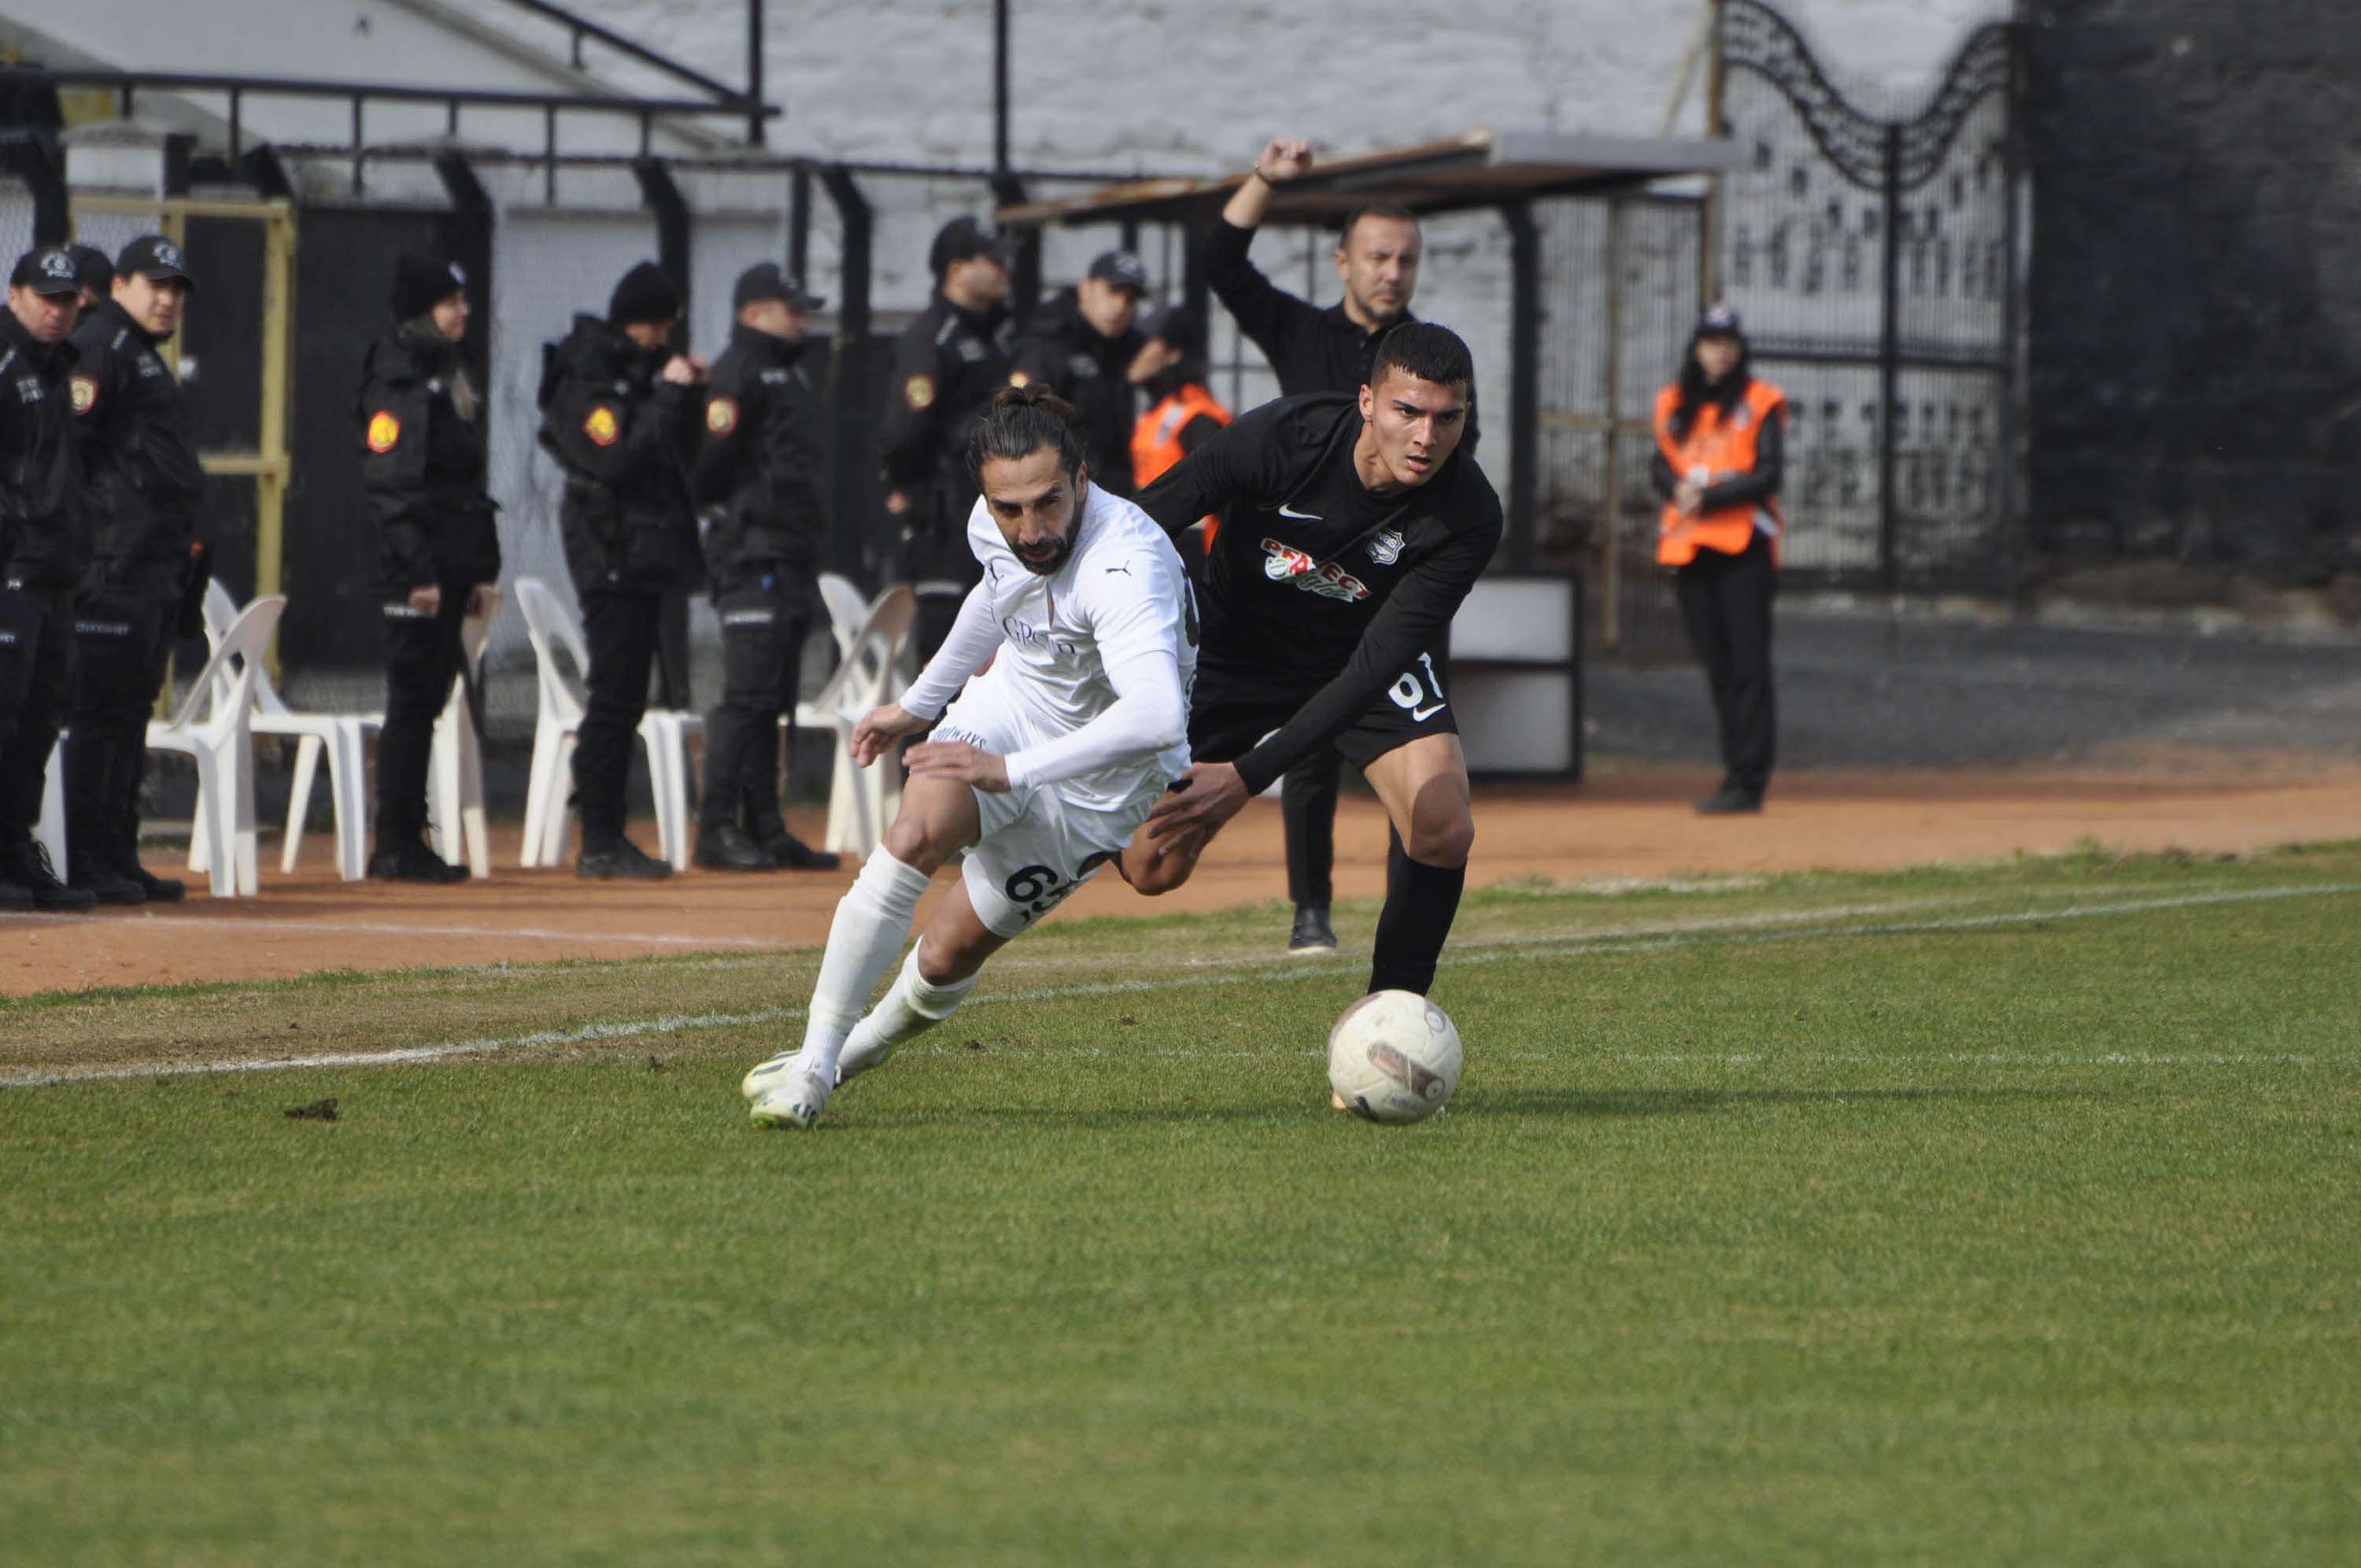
point(2002, 1214)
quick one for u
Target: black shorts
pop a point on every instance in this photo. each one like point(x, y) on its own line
point(1228, 717)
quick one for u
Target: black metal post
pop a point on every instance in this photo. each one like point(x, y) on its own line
point(357, 144)
point(1000, 86)
point(1197, 293)
point(1025, 277)
point(468, 236)
point(1889, 370)
point(855, 506)
point(799, 223)
point(2016, 514)
point(29, 160)
point(1524, 382)
point(755, 129)
point(663, 199)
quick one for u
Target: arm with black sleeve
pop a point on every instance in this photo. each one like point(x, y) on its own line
point(1241, 462)
point(1413, 620)
point(1761, 482)
point(728, 456)
point(909, 431)
point(395, 442)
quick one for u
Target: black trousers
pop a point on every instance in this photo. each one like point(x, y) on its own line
point(422, 657)
point(125, 619)
point(622, 631)
point(764, 625)
point(1307, 800)
point(36, 659)
point(934, 559)
point(1726, 601)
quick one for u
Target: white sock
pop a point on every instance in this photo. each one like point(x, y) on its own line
point(872, 920)
point(914, 1005)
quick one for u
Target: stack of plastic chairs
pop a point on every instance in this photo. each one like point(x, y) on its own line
point(551, 628)
point(214, 727)
point(860, 801)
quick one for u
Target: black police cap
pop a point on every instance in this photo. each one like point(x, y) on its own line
point(768, 280)
point(963, 237)
point(1121, 269)
point(92, 268)
point(47, 270)
point(154, 257)
point(421, 282)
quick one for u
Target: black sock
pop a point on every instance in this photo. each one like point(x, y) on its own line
point(1421, 903)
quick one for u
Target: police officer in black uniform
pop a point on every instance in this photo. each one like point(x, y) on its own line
point(1081, 345)
point(419, 419)
point(757, 480)
point(44, 541)
point(947, 364)
point(623, 413)
point(144, 485)
point(1313, 350)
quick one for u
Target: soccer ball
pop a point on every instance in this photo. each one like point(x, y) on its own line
point(1393, 1056)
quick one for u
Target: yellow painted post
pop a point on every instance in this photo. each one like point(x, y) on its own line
point(272, 473)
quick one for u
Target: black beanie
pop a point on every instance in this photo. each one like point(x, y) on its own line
point(645, 294)
point(420, 283)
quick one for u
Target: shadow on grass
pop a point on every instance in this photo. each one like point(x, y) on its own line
point(1694, 1101)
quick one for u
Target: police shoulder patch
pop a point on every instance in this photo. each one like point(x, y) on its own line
point(85, 393)
point(384, 431)
point(721, 415)
point(918, 391)
point(1019, 378)
point(601, 426)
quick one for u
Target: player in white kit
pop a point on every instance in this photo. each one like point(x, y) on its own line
point(1076, 651)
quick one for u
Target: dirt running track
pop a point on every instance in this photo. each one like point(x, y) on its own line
point(1620, 823)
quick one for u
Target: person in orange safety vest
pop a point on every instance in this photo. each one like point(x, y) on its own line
point(1182, 415)
point(1720, 440)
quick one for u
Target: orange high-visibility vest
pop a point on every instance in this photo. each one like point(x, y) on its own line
point(1716, 450)
point(1155, 439)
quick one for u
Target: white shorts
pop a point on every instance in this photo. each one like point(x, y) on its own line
point(1037, 845)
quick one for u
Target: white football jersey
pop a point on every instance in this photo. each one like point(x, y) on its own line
point(1121, 591)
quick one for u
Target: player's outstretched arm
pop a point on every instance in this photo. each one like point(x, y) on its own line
point(974, 638)
point(1240, 462)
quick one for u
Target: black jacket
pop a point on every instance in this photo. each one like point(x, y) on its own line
point(142, 469)
point(43, 538)
point(423, 469)
point(1309, 349)
point(625, 438)
point(757, 478)
point(1061, 350)
point(947, 364)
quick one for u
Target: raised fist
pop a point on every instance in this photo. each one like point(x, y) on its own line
point(1283, 159)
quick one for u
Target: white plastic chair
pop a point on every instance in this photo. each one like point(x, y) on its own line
point(345, 737)
point(214, 728)
point(860, 801)
point(455, 775)
point(847, 612)
point(50, 832)
point(557, 725)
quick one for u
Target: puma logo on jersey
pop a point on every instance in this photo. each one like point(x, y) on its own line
point(1285, 564)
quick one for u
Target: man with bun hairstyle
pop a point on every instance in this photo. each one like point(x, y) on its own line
point(1059, 707)
point(623, 413)
point(43, 544)
point(947, 364)
point(143, 484)
point(757, 479)
point(419, 421)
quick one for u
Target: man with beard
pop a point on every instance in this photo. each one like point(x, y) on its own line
point(1082, 643)
point(1313, 350)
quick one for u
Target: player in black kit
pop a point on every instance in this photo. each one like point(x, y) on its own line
point(1352, 529)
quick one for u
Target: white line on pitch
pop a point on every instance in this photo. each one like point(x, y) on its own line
point(395, 928)
point(1474, 954)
